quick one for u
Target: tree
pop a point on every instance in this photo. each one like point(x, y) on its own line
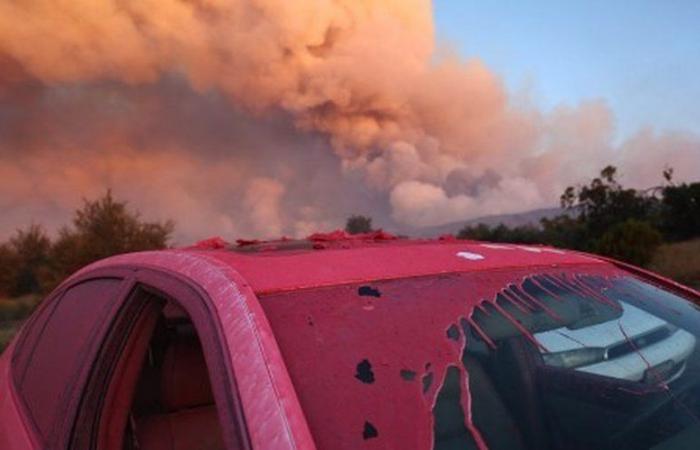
point(8, 265)
point(604, 203)
point(357, 224)
point(478, 232)
point(564, 230)
point(102, 228)
point(526, 234)
point(606, 218)
point(680, 213)
point(632, 241)
point(31, 248)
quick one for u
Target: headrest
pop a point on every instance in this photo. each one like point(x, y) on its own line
point(185, 380)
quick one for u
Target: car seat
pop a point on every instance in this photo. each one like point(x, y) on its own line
point(489, 414)
point(514, 369)
point(187, 419)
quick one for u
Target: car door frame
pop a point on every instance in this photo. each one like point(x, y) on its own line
point(172, 286)
point(226, 313)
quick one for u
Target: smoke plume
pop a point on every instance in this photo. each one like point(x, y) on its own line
point(270, 117)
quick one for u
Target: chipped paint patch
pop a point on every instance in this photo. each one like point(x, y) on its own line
point(427, 381)
point(407, 375)
point(370, 431)
point(453, 332)
point(368, 291)
point(364, 372)
point(470, 256)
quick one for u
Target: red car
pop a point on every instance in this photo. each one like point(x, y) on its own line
point(366, 342)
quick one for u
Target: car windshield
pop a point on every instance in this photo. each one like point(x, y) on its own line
point(583, 358)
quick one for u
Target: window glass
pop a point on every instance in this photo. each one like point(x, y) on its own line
point(62, 349)
point(577, 358)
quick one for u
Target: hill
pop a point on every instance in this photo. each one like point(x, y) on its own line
point(510, 220)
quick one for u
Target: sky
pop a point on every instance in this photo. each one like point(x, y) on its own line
point(642, 57)
point(262, 118)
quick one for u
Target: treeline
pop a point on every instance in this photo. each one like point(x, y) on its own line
point(32, 263)
point(601, 217)
point(606, 218)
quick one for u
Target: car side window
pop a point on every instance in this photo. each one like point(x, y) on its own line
point(64, 339)
point(150, 386)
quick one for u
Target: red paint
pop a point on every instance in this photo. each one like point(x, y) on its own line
point(344, 236)
point(295, 316)
point(466, 402)
point(514, 301)
point(517, 325)
point(544, 307)
point(380, 260)
point(481, 333)
point(214, 243)
point(404, 330)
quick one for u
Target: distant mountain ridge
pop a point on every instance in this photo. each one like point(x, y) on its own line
point(510, 220)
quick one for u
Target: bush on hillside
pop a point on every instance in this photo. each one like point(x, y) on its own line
point(632, 241)
point(358, 224)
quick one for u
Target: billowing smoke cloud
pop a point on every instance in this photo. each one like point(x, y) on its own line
point(269, 117)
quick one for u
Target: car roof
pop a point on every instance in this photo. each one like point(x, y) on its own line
point(338, 258)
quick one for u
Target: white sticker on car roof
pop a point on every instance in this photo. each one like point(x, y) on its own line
point(470, 256)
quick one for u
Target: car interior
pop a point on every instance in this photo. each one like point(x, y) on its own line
point(173, 405)
point(518, 402)
point(162, 383)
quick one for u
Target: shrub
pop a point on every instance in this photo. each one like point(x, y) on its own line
point(102, 228)
point(632, 241)
point(357, 224)
point(17, 308)
point(681, 211)
point(8, 266)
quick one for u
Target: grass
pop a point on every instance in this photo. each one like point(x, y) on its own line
point(12, 312)
point(679, 261)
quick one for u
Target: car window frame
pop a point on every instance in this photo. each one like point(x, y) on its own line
point(131, 315)
point(31, 334)
point(187, 294)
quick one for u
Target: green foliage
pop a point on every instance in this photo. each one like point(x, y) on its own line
point(564, 231)
point(32, 247)
point(357, 224)
point(17, 308)
point(12, 312)
point(633, 241)
point(24, 260)
point(680, 217)
point(606, 218)
point(102, 228)
point(31, 263)
point(604, 203)
point(8, 264)
point(501, 233)
point(7, 331)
